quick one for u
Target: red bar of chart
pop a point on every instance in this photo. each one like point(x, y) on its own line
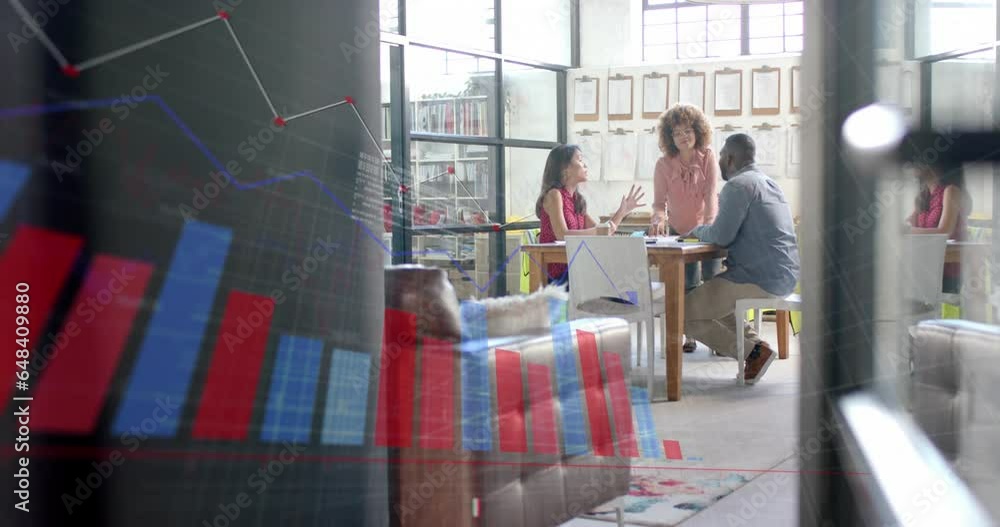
point(510, 402)
point(543, 417)
point(394, 417)
point(597, 405)
point(672, 449)
point(228, 400)
point(89, 344)
point(42, 259)
point(620, 405)
point(437, 395)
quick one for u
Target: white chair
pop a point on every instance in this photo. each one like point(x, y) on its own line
point(609, 276)
point(921, 269)
point(792, 302)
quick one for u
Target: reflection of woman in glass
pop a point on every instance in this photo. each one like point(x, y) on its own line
point(942, 207)
point(563, 210)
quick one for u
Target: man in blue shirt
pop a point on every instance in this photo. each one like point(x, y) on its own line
point(755, 225)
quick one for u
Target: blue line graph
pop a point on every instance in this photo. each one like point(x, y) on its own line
point(35, 110)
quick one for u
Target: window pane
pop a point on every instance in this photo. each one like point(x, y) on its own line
point(452, 93)
point(765, 10)
point(723, 30)
point(660, 16)
point(691, 50)
point(389, 15)
point(765, 27)
point(660, 53)
point(955, 28)
point(656, 35)
point(523, 182)
point(793, 25)
point(537, 29)
point(443, 197)
point(691, 32)
point(724, 12)
point(793, 44)
point(462, 23)
point(531, 103)
point(724, 48)
point(691, 14)
point(793, 8)
point(766, 45)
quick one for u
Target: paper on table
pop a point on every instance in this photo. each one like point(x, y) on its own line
point(593, 153)
point(692, 91)
point(585, 97)
point(619, 157)
point(654, 94)
point(619, 96)
point(765, 89)
point(727, 91)
point(769, 146)
point(649, 154)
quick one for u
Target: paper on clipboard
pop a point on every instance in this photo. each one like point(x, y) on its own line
point(727, 92)
point(770, 145)
point(654, 94)
point(765, 89)
point(619, 157)
point(692, 90)
point(649, 154)
point(619, 96)
point(593, 152)
point(585, 97)
point(719, 139)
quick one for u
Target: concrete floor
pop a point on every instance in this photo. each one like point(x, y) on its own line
point(723, 425)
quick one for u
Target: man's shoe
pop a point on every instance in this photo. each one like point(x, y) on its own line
point(690, 345)
point(757, 363)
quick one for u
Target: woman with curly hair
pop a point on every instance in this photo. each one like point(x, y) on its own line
point(684, 184)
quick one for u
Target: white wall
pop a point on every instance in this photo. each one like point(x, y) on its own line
point(604, 196)
point(610, 32)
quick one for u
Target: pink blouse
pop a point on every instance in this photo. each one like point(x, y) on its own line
point(687, 191)
point(931, 218)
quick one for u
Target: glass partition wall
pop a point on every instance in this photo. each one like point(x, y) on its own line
point(899, 263)
point(472, 105)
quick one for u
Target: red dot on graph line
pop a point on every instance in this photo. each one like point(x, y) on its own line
point(496, 227)
point(223, 15)
point(70, 71)
point(349, 99)
point(279, 121)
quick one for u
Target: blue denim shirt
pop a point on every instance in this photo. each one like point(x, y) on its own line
point(755, 225)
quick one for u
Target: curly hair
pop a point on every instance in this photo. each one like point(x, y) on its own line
point(687, 115)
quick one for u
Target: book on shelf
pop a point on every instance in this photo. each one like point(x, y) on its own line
point(452, 116)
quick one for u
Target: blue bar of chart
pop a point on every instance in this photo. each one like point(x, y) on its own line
point(568, 389)
point(290, 401)
point(476, 430)
point(648, 442)
point(13, 176)
point(167, 357)
point(347, 399)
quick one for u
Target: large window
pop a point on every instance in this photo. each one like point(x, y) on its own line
point(948, 25)
point(481, 92)
point(687, 30)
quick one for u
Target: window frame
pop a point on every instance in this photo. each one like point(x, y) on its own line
point(744, 38)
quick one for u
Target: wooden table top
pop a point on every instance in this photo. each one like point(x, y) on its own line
point(664, 247)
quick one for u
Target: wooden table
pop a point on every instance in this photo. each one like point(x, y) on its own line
point(975, 252)
point(670, 258)
point(975, 257)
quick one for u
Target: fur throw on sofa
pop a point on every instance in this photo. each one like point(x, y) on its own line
point(514, 315)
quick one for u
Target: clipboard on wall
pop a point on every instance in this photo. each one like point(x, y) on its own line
point(620, 104)
point(655, 94)
point(691, 88)
point(728, 92)
point(586, 99)
point(765, 84)
point(796, 81)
